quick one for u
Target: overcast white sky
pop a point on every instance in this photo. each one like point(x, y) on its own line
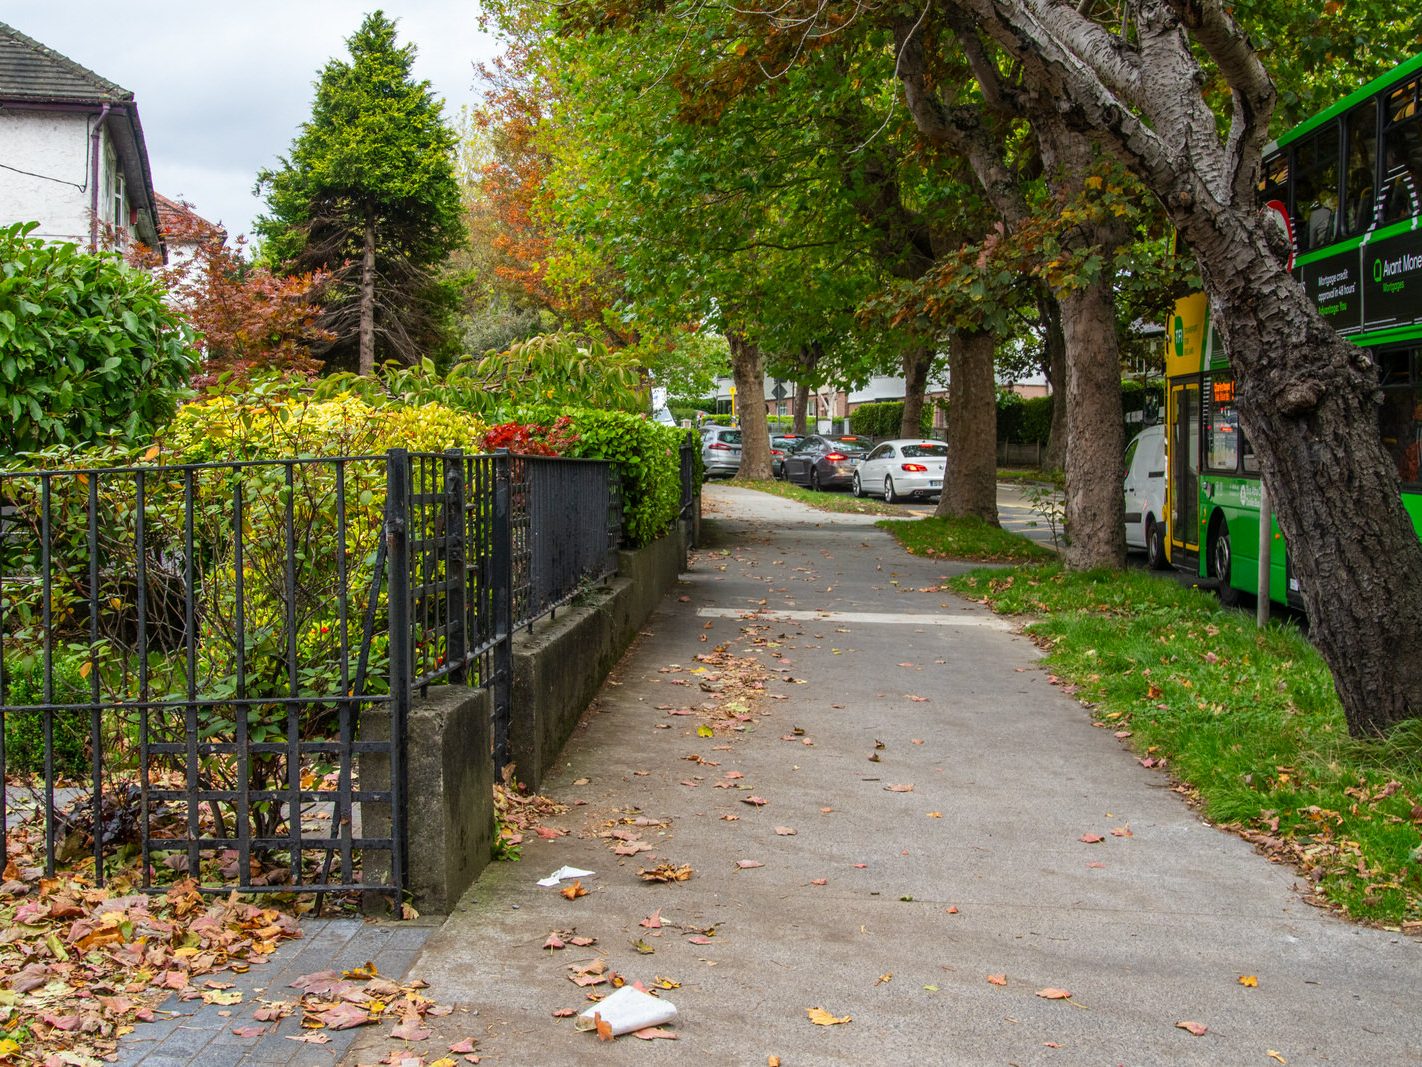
point(222, 85)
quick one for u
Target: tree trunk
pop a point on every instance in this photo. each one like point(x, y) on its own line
point(1055, 370)
point(917, 362)
point(1095, 503)
point(748, 369)
point(1308, 403)
point(800, 405)
point(367, 300)
point(1306, 397)
point(970, 481)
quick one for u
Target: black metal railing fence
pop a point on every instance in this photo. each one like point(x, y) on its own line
point(186, 651)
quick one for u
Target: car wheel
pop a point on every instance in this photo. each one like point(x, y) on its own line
point(856, 488)
point(1222, 562)
point(1155, 546)
point(890, 496)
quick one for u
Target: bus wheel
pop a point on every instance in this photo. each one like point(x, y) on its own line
point(1221, 558)
point(1155, 546)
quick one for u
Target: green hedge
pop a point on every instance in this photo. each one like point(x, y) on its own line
point(88, 348)
point(885, 418)
point(1024, 419)
point(648, 456)
point(1028, 420)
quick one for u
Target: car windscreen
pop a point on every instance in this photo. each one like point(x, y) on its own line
point(731, 437)
point(848, 444)
point(925, 450)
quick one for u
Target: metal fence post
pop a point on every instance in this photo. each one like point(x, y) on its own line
point(503, 609)
point(397, 539)
point(456, 573)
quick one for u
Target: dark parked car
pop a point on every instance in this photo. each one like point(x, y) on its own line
point(824, 461)
point(781, 443)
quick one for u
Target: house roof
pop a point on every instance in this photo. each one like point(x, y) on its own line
point(178, 223)
point(35, 77)
point(33, 73)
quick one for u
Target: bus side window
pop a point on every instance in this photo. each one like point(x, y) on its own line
point(1222, 426)
point(1315, 208)
point(1251, 461)
point(1402, 150)
point(1362, 152)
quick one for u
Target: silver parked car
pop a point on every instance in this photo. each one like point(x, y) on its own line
point(900, 470)
point(721, 451)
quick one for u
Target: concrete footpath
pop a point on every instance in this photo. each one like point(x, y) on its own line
point(932, 916)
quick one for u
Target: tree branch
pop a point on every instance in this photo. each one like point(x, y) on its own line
point(1253, 92)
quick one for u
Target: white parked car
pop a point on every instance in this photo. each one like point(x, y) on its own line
point(1145, 495)
point(900, 470)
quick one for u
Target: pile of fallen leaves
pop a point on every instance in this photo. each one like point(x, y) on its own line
point(520, 813)
point(343, 1000)
point(730, 686)
point(80, 965)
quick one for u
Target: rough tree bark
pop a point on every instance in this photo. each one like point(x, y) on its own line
point(1095, 445)
point(917, 362)
point(748, 370)
point(970, 480)
point(1307, 398)
point(367, 299)
point(805, 360)
point(1054, 369)
point(1095, 504)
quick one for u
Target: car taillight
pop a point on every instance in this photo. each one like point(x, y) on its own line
point(917, 468)
point(721, 445)
point(836, 457)
point(776, 452)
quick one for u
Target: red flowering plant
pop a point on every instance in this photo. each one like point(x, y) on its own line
point(531, 438)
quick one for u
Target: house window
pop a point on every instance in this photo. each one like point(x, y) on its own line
point(120, 206)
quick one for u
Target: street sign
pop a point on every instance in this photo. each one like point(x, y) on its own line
point(778, 392)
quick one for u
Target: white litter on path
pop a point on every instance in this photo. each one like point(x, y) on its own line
point(625, 1010)
point(561, 873)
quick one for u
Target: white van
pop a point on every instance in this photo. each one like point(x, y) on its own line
point(1145, 495)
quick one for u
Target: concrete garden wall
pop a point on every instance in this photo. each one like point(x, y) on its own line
point(558, 668)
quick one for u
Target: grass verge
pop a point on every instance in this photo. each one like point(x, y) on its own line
point(830, 500)
point(966, 539)
point(1247, 719)
point(1031, 476)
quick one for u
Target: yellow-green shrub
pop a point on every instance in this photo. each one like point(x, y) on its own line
point(281, 427)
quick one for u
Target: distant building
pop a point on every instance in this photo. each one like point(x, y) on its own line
point(183, 231)
point(828, 407)
point(72, 155)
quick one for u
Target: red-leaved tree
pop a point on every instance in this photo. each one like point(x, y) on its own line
point(248, 319)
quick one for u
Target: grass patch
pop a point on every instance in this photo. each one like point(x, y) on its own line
point(1031, 475)
point(966, 539)
point(830, 500)
point(1248, 719)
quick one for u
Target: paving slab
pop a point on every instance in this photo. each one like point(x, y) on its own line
point(894, 907)
point(194, 1034)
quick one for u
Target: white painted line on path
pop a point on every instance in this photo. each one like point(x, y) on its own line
point(891, 618)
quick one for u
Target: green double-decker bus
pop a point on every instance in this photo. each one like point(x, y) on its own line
point(1347, 185)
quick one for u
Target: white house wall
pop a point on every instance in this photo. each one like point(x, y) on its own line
point(45, 176)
